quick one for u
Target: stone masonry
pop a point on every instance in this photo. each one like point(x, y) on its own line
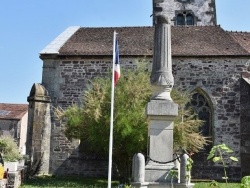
point(220, 79)
point(66, 81)
point(203, 10)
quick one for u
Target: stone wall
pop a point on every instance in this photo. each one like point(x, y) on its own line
point(10, 127)
point(17, 129)
point(66, 81)
point(218, 78)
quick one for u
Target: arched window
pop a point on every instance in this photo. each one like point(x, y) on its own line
point(204, 112)
point(180, 19)
point(184, 17)
point(189, 19)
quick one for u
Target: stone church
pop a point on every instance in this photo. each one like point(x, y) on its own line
point(212, 63)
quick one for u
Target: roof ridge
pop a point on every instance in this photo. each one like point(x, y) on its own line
point(196, 26)
point(13, 104)
point(238, 31)
point(116, 27)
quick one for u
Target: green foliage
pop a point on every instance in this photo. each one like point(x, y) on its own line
point(214, 184)
point(80, 182)
point(66, 182)
point(90, 122)
point(173, 174)
point(189, 164)
point(9, 149)
point(219, 153)
point(245, 182)
point(189, 168)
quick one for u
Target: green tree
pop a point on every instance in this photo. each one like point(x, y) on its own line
point(90, 122)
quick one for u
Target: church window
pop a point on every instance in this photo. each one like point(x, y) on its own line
point(189, 19)
point(204, 112)
point(180, 19)
point(184, 18)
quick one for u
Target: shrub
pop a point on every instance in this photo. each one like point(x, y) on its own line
point(245, 182)
point(9, 149)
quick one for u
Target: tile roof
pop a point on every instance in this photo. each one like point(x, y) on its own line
point(12, 111)
point(243, 38)
point(99, 41)
point(204, 41)
point(186, 41)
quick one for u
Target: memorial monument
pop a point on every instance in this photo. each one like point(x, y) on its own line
point(160, 111)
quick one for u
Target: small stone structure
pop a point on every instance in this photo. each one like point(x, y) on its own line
point(138, 167)
point(39, 127)
point(185, 175)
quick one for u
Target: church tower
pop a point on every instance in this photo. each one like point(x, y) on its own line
point(187, 12)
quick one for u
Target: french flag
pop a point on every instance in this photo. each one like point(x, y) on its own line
point(117, 72)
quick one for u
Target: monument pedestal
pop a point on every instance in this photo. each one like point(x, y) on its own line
point(161, 114)
point(161, 185)
point(158, 173)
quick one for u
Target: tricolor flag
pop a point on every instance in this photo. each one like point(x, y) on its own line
point(117, 72)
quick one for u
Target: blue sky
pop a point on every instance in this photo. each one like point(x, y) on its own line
point(27, 26)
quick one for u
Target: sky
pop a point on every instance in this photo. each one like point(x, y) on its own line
point(27, 26)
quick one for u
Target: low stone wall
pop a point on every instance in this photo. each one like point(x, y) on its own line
point(83, 167)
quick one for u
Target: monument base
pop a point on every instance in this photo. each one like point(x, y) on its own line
point(155, 172)
point(161, 185)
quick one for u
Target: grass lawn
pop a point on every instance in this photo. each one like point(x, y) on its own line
point(65, 182)
point(220, 185)
point(77, 182)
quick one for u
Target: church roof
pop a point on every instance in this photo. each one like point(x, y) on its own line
point(243, 38)
point(134, 41)
point(12, 111)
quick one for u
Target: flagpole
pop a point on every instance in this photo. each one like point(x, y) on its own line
point(112, 115)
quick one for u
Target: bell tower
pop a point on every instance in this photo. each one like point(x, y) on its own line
point(186, 12)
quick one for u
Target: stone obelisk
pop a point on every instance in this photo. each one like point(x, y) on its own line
point(160, 111)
